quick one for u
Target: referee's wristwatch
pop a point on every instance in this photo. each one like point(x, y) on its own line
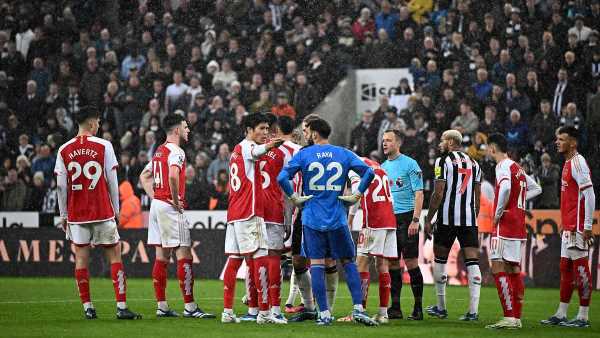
point(415, 219)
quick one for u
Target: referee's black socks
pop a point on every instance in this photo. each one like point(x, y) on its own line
point(416, 284)
point(396, 290)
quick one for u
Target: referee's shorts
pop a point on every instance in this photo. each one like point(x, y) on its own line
point(444, 236)
point(408, 246)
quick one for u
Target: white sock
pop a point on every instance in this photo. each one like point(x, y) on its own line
point(162, 305)
point(276, 310)
point(87, 305)
point(293, 290)
point(562, 310)
point(583, 312)
point(253, 311)
point(383, 311)
point(228, 311)
point(191, 306)
point(440, 278)
point(331, 283)
point(325, 314)
point(305, 288)
point(121, 305)
point(359, 307)
point(474, 275)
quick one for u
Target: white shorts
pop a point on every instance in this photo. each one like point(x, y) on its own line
point(166, 226)
point(97, 233)
point(245, 237)
point(505, 249)
point(275, 236)
point(377, 242)
point(573, 246)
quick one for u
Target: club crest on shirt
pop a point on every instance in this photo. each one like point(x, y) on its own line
point(399, 183)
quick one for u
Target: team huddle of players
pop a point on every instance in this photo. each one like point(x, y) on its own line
point(286, 197)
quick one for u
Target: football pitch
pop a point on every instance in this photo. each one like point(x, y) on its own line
point(50, 307)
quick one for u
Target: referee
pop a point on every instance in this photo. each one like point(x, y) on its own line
point(406, 184)
point(456, 196)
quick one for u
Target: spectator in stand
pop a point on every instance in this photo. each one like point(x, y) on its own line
point(174, 92)
point(571, 117)
point(482, 89)
point(477, 149)
point(13, 192)
point(467, 122)
point(130, 216)
point(517, 133)
point(387, 20)
point(219, 192)
point(490, 124)
point(196, 190)
point(283, 108)
point(44, 162)
point(219, 163)
point(362, 136)
point(364, 23)
point(24, 169)
point(549, 176)
point(544, 124)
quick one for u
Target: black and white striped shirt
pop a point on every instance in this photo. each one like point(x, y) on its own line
point(461, 173)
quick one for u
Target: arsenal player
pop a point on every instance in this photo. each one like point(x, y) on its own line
point(577, 200)
point(513, 189)
point(88, 199)
point(377, 237)
point(246, 234)
point(163, 180)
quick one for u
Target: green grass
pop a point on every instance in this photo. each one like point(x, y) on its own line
point(49, 307)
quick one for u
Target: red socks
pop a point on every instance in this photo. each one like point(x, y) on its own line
point(159, 279)
point(119, 281)
point(82, 277)
point(186, 279)
point(385, 287)
point(365, 280)
point(504, 288)
point(229, 278)
point(274, 280)
point(261, 281)
point(518, 288)
point(583, 279)
point(566, 280)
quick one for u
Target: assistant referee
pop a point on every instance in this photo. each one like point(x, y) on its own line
point(406, 184)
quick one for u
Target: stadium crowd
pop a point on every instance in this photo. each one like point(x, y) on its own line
point(522, 68)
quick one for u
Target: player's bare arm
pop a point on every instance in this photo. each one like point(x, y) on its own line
point(434, 203)
point(146, 180)
point(174, 185)
point(413, 228)
point(477, 192)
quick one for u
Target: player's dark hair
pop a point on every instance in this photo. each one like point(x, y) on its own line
point(172, 121)
point(271, 119)
point(86, 112)
point(253, 120)
point(397, 133)
point(499, 141)
point(571, 131)
point(321, 126)
point(286, 125)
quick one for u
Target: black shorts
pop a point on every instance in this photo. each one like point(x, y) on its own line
point(444, 236)
point(297, 235)
point(408, 246)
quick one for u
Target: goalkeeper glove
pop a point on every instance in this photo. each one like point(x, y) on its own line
point(350, 199)
point(299, 200)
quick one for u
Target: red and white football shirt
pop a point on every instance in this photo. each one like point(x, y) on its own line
point(512, 222)
point(270, 164)
point(376, 203)
point(87, 162)
point(246, 198)
point(167, 155)
point(293, 149)
point(575, 179)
